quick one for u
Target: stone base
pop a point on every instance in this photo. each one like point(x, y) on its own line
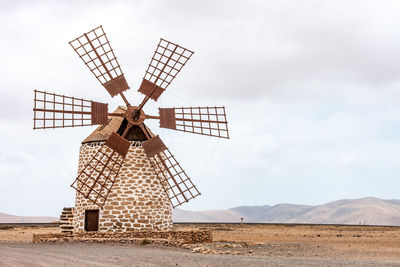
point(137, 200)
point(170, 238)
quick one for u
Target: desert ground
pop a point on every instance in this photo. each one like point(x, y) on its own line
point(234, 245)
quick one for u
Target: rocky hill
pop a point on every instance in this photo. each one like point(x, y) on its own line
point(367, 211)
point(7, 218)
point(371, 211)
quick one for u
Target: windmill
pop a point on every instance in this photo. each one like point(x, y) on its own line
point(97, 177)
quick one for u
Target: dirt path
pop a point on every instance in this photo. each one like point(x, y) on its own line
point(254, 245)
point(82, 254)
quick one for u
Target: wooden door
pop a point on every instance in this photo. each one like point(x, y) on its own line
point(91, 220)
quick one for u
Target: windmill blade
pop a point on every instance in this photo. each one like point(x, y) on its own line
point(166, 63)
point(209, 121)
point(95, 50)
point(58, 111)
point(176, 183)
point(97, 178)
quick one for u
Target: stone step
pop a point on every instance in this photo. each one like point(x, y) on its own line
point(66, 227)
point(66, 221)
point(68, 208)
point(66, 224)
point(67, 212)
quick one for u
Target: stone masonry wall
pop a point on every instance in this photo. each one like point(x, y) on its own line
point(137, 200)
point(155, 237)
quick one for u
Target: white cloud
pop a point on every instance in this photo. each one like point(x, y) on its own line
point(311, 90)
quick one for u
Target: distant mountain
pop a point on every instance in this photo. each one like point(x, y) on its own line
point(7, 218)
point(372, 211)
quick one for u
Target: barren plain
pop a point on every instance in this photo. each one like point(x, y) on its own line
point(234, 245)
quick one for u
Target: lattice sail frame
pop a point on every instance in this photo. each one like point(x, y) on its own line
point(59, 111)
point(94, 184)
point(95, 51)
point(166, 63)
point(209, 121)
point(174, 180)
point(97, 178)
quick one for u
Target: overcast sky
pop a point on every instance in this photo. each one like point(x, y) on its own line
point(311, 89)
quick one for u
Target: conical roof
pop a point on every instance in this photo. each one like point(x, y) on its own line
point(116, 124)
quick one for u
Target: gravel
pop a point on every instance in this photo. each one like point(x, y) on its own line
point(83, 254)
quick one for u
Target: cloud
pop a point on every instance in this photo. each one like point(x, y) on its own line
point(311, 91)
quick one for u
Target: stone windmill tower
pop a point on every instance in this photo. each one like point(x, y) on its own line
point(127, 178)
point(137, 199)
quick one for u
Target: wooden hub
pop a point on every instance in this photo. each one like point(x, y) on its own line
point(135, 117)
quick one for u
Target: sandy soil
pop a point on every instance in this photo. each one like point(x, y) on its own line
point(275, 245)
point(23, 234)
point(309, 241)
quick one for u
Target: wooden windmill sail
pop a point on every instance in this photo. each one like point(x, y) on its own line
point(98, 176)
